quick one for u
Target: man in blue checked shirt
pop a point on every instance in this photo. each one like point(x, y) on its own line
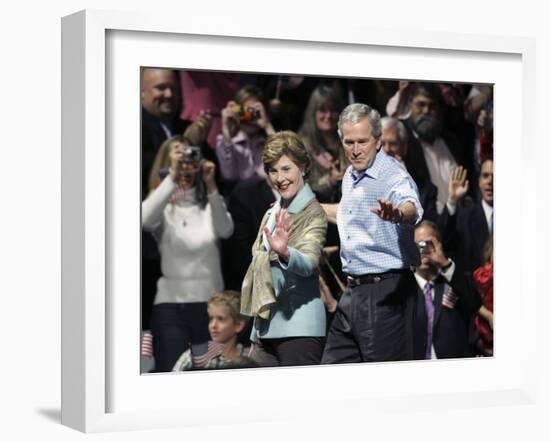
point(375, 218)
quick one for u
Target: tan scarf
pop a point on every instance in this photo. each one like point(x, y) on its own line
point(310, 228)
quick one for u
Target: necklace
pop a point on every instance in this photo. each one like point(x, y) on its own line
point(182, 196)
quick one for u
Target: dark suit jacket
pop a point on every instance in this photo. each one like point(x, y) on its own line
point(415, 160)
point(247, 204)
point(451, 326)
point(428, 198)
point(464, 234)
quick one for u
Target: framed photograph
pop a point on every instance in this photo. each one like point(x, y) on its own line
point(102, 385)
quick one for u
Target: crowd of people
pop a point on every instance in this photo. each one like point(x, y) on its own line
point(287, 221)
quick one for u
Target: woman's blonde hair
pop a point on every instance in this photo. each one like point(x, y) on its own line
point(286, 143)
point(162, 160)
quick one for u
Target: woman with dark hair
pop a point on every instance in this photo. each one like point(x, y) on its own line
point(319, 132)
point(281, 287)
point(245, 125)
point(187, 217)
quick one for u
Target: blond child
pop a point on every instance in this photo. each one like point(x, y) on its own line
point(224, 324)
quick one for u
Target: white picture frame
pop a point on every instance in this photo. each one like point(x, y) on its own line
point(101, 386)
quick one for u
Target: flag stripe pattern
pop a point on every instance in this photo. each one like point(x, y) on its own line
point(147, 344)
point(214, 349)
point(449, 298)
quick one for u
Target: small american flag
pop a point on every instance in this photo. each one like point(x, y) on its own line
point(214, 349)
point(449, 298)
point(147, 344)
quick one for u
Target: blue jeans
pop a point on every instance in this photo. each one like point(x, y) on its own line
point(176, 327)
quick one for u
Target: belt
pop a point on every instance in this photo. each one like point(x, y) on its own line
point(354, 280)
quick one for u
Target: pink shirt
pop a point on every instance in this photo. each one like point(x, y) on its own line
point(207, 90)
point(240, 158)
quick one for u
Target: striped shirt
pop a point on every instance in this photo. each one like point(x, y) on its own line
point(368, 243)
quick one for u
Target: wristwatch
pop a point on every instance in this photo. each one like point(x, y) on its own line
point(448, 265)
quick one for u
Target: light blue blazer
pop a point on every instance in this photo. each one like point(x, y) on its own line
point(299, 310)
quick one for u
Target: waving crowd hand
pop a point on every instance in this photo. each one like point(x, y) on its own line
point(458, 185)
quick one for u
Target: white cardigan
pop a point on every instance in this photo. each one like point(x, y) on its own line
point(188, 242)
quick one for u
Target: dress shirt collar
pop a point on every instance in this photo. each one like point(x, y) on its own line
point(373, 170)
point(442, 276)
point(421, 281)
point(487, 210)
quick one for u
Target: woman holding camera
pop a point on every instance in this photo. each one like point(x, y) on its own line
point(245, 125)
point(281, 287)
point(187, 217)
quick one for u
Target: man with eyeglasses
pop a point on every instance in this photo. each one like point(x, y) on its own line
point(375, 218)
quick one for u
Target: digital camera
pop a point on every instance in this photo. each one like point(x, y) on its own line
point(422, 246)
point(192, 154)
point(247, 114)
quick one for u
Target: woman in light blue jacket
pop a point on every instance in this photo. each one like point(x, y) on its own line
point(281, 287)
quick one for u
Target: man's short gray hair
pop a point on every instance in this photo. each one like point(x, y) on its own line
point(389, 122)
point(356, 112)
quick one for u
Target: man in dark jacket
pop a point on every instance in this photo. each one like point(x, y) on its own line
point(467, 227)
point(446, 300)
point(434, 151)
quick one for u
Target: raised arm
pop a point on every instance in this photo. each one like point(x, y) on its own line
point(402, 205)
point(458, 186)
point(405, 213)
point(152, 207)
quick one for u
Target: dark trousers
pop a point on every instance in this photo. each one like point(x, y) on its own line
point(150, 274)
point(175, 327)
point(373, 322)
point(288, 351)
